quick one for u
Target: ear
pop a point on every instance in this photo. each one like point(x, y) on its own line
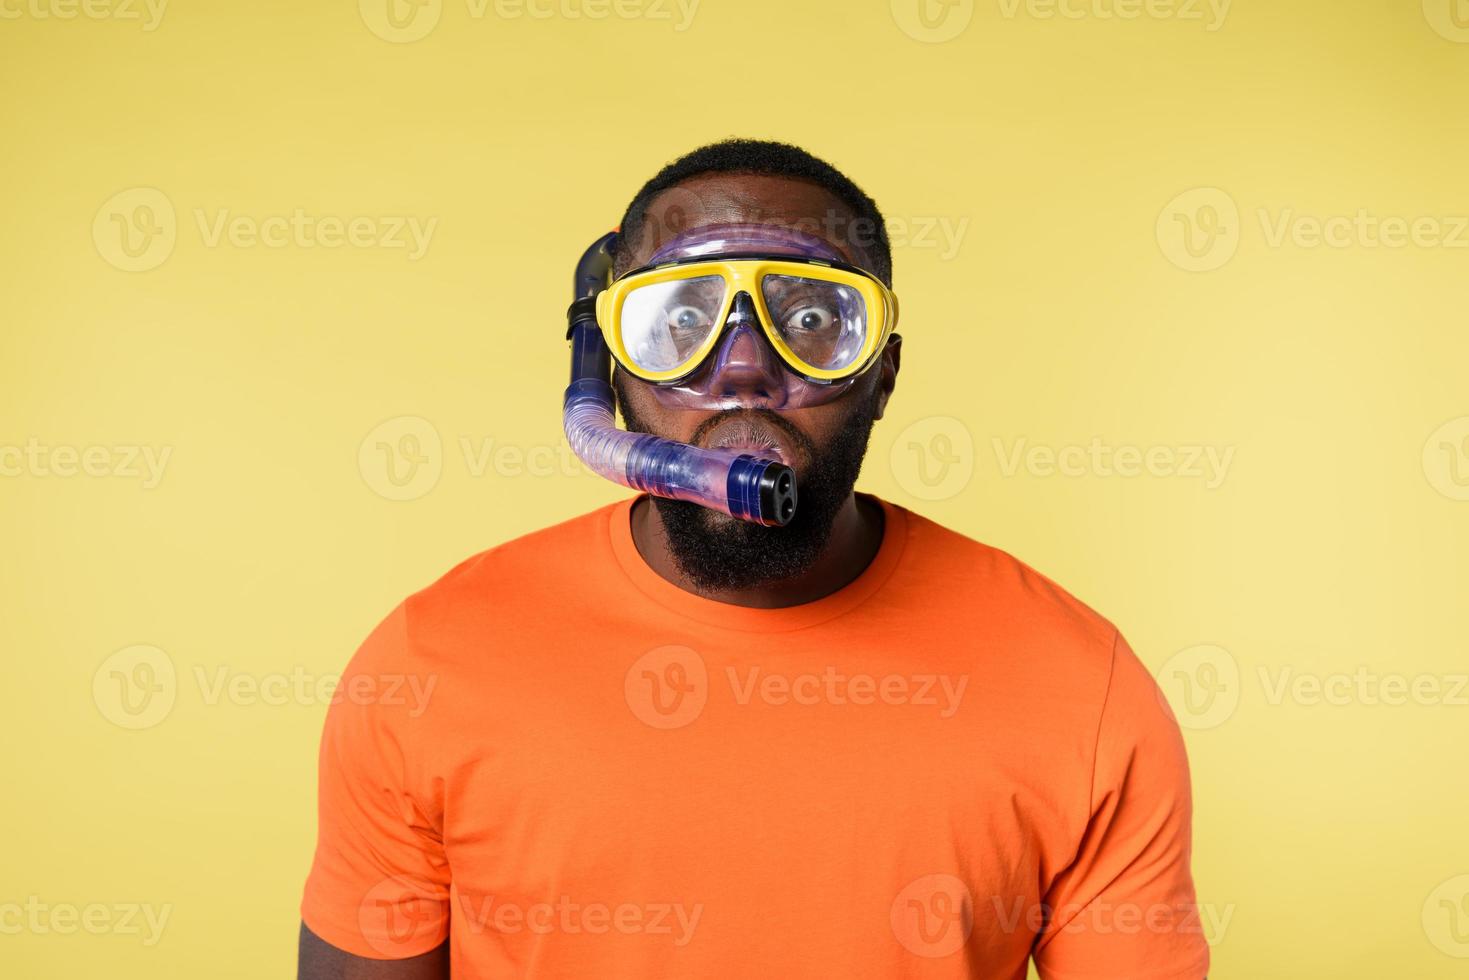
point(887, 378)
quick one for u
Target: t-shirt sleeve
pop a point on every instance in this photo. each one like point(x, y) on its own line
point(1125, 907)
point(379, 882)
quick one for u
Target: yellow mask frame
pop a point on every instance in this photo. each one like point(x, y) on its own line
point(747, 275)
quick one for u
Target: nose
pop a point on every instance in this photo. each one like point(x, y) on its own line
point(745, 367)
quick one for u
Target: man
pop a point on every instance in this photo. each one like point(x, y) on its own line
point(664, 741)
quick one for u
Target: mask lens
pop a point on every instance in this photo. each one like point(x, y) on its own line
point(664, 324)
point(824, 323)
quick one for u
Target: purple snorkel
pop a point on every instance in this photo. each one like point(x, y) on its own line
point(740, 484)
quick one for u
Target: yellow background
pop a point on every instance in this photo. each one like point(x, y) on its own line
point(1329, 837)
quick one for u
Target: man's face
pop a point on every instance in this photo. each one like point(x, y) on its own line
point(824, 443)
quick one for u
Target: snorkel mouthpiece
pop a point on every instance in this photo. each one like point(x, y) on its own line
point(741, 484)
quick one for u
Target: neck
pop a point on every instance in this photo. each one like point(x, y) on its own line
point(856, 536)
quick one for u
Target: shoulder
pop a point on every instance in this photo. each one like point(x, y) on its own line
point(541, 570)
point(1050, 637)
point(1001, 589)
point(1053, 654)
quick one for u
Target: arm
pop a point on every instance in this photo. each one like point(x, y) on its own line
point(320, 960)
point(1125, 906)
point(376, 903)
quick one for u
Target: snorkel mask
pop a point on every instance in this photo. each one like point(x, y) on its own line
point(725, 317)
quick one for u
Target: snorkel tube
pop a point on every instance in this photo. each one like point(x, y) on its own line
point(742, 485)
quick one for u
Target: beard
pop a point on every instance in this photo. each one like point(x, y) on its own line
point(719, 553)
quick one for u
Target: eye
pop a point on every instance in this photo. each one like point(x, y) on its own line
point(810, 319)
point(686, 318)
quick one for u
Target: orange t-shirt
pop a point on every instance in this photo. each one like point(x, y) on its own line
point(572, 768)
